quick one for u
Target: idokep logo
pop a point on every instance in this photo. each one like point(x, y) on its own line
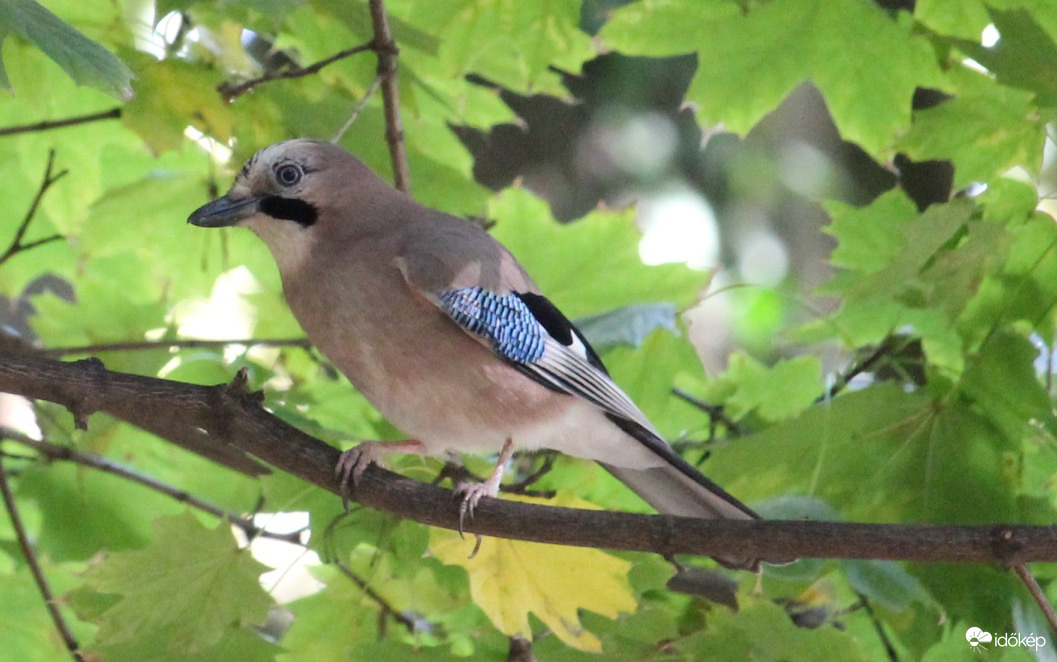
point(977, 638)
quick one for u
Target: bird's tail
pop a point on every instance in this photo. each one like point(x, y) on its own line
point(671, 492)
point(677, 488)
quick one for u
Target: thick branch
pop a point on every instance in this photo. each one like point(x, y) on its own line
point(394, 129)
point(230, 416)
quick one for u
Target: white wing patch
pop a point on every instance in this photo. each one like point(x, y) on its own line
point(567, 368)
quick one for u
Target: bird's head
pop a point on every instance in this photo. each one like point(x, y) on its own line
point(293, 192)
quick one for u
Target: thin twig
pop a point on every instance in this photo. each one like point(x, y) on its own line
point(34, 566)
point(715, 412)
point(386, 607)
point(132, 346)
point(360, 105)
point(520, 486)
point(113, 113)
point(232, 91)
point(890, 649)
point(857, 368)
point(16, 245)
point(387, 52)
point(57, 452)
point(1036, 592)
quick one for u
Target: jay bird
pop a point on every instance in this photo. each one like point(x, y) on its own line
point(443, 331)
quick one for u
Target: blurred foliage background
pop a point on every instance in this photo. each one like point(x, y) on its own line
point(814, 241)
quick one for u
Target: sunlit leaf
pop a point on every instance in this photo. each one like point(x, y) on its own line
point(510, 579)
point(784, 44)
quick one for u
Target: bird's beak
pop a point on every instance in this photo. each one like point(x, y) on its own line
point(224, 211)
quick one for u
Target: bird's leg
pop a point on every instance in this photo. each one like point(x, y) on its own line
point(354, 461)
point(471, 493)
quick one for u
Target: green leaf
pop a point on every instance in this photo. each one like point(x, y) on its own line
point(591, 265)
point(985, 130)
point(1001, 380)
point(761, 630)
point(630, 637)
point(879, 454)
point(1023, 284)
point(962, 18)
point(516, 42)
point(1024, 57)
point(209, 587)
point(748, 62)
point(122, 511)
point(126, 314)
point(26, 627)
point(85, 61)
point(173, 94)
point(328, 624)
point(776, 393)
point(922, 238)
point(885, 582)
point(870, 237)
point(629, 325)
point(649, 372)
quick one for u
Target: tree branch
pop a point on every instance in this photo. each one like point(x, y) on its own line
point(231, 91)
point(46, 183)
point(57, 452)
point(1037, 594)
point(878, 627)
point(140, 345)
point(387, 52)
point(715, 412)
point(227, 415)
point(113, 113)
point(358, 108)
point(386, 608)
point(34, 566)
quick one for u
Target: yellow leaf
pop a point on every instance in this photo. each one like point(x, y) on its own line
point(509, 579)
point(172, 94)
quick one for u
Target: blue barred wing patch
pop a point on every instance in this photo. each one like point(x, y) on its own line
point(503, 320)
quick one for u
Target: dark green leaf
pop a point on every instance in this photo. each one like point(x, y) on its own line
point(85, 61)
point(628, 325)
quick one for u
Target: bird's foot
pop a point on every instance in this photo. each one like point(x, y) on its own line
point(354, 462)
point(471, 493)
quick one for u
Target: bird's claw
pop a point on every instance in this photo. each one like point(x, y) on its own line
point(471, 494)
point(351, 465)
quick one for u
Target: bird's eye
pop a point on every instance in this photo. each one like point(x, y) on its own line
point(288, 174)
